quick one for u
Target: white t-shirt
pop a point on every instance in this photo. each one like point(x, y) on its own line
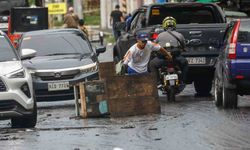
point(139, 58)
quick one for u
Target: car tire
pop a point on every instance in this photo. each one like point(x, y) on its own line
point(217, 92)
point(28, 121)
point(203, 86)
point(229, 98)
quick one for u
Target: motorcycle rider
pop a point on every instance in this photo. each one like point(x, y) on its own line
point(176, 40)
point(138, 55)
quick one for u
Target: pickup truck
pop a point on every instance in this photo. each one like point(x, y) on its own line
point(203, 26)
point(5, 9)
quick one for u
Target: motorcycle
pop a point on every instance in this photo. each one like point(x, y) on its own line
point(171, 75)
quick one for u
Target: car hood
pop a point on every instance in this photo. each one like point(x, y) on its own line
point(57, 62)
point(9, 67)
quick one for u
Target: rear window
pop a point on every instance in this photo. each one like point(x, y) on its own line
point(244, 32)
point(183, 15)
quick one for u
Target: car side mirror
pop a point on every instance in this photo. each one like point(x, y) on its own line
point(27, 53)
point(100, 50)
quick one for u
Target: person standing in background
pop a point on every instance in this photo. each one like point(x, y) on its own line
point(82, 27)
point(115, 17)
point(71, 20)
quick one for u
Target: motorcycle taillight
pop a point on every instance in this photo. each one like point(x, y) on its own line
point(170, 65)
point(171, 70)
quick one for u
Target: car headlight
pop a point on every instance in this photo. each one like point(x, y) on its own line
point(17, 74)
point(89, 68)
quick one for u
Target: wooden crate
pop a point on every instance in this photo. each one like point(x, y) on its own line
point(93, 99)
point(106, 69)
point(124, 95)
point(132, 106)
point(132, 95)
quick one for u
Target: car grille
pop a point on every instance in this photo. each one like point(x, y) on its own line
point(64, 75)
point(2, 86)
point(7, 105)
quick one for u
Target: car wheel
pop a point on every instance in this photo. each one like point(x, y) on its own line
point(26, 121)
point(229, 98)
point(203, 86)
point(217, 92)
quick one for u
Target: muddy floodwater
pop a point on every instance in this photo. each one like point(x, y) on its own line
point(188, 124)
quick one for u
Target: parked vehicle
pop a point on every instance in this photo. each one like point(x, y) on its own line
point(24, 19)
point(202, 25)
point(232, 74)
point(5, 9)
point(63, 57)
point(16, 91)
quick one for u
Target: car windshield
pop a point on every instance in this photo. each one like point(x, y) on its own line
point(7, 52)
point(55, 44)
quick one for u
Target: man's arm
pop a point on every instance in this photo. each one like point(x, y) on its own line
point(126, 57)
point(165, 53)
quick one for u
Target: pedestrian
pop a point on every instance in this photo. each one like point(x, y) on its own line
point(71, 20)
point(115, 17)
point(177, 41)
point(138, 56)
point(83, 27)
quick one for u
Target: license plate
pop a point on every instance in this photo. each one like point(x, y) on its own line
point(3, 25)
point(58, 86)
point(171, 77)
point(196, 60)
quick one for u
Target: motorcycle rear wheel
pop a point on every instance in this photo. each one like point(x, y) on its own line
point(171, 94)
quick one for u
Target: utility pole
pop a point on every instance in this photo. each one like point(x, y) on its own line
point(78, 8)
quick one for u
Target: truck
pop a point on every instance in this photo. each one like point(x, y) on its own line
point(24, 19)
point(203, 26)
point(5, 9)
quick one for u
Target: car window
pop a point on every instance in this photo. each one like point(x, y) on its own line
point(56, 43)
point(184, 15)
point(244, 32)
point(6, 51)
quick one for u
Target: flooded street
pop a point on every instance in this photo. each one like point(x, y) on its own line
point(189, 123)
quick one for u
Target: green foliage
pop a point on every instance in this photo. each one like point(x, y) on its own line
point(92, 18)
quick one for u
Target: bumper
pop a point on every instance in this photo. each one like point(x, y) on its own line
point(43, 94)
point(11, 108)
point(195, 72)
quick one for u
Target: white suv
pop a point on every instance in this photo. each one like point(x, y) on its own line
point(16, 91)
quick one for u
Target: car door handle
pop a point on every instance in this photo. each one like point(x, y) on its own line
point(195, 33)
point(194, 42)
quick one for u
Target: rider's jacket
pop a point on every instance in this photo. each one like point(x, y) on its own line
point(173, 37)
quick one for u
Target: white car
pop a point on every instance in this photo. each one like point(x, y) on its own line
point(16, 90)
